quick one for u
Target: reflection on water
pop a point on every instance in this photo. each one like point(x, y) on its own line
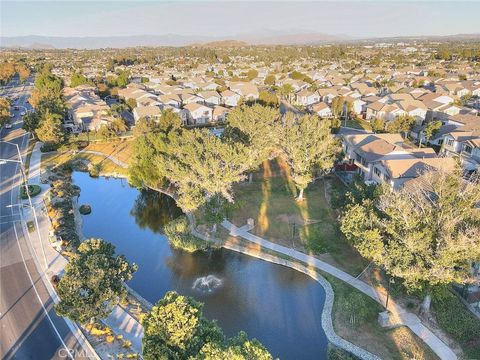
point(277, 305)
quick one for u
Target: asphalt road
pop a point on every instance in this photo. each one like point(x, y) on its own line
point(29, 326)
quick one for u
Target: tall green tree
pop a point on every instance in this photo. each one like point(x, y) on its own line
point(308, 146)
point(195, 162)
point(93, 282)
point(77, 80)
point(430, 130)
point(401, 124)
point(426, 233)
point(337, 105)
point(4, 111)
point(255, 127)
point(176, 328)
point(51, 130)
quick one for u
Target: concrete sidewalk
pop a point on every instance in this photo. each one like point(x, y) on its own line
point(399, 314)
point(119, 320)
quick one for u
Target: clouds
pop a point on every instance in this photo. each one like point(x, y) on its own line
point(225, 18)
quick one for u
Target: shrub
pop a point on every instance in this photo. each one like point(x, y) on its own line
point(33, 190)
point(179, 236)
point(459, 323)
point(85, 209)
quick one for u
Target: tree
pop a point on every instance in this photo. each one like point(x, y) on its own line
point(132, 103)
point(286, 90)
point(427, 233)
point(270, 80)
point(7, 70)
point(196, 338)
point(237, 348)
point(307, 146)
point(337, 105)
point(50, 130)
point(378, 125)
point(4, 111)
point(252, 74)
point(122, 79)
point(93, 282)
point(430, 130)
point(23, 71)
point(255, 127)
point(77, 80)
point(175, 328)
point(31, 121)
point(268, 98)
point(401, 124)
point(195, 162)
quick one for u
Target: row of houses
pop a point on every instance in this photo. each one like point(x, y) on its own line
point(86, 110)
point(386, 158)
point(195, 106)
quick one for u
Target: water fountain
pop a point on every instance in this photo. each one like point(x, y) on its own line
point(207, 283)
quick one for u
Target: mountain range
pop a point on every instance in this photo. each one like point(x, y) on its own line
point(266, 38)
point(60, 42)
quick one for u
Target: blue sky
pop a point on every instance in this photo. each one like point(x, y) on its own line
point(226, 18)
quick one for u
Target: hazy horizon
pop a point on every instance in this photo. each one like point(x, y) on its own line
point(223, 19)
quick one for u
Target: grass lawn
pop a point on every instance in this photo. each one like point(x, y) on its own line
point(357, 124)
point(120, 149)
point(355, 319)
point(106, 166)
point(310, 226)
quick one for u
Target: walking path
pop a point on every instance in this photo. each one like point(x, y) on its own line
point(119, 320)
point(399, 315)
point(109, 157)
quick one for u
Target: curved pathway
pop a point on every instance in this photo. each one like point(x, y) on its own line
point(400, 315)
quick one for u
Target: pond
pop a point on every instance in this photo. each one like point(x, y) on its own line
point(277, 305)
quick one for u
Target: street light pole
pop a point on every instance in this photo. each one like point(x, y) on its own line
point(22, 169)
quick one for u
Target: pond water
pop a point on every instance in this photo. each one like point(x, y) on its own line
point(277, 305)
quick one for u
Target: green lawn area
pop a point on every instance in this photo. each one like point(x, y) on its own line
point(310, 226)
point(355, 319)
point(357, 124)
point(107, 167)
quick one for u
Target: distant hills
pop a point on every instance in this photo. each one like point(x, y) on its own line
point(267, 38)
point(33, 41)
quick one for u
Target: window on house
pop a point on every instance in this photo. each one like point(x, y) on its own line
point(386, 178)
point(450, 142)
point(376, 171)
point(467, 148)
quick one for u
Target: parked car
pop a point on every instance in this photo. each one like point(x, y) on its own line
point(8, 126)
point(12, 115)
point(23, 113)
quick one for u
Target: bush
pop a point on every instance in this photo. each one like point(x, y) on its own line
point(335, 353)
point(459, 323)
point(179, 236)
point(94, 170)
point(46, 147)
point(33, 190)
point(85, 209)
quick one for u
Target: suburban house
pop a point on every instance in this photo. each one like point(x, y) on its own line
point(248, 90)
point(86, 111)
point(464, 145)
point(383, 158)
point(220, 113)
point(306, 97)
point(210, 97)
point(230, 98)
point(195, 114)
point(322, 110)
point(149, 112)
